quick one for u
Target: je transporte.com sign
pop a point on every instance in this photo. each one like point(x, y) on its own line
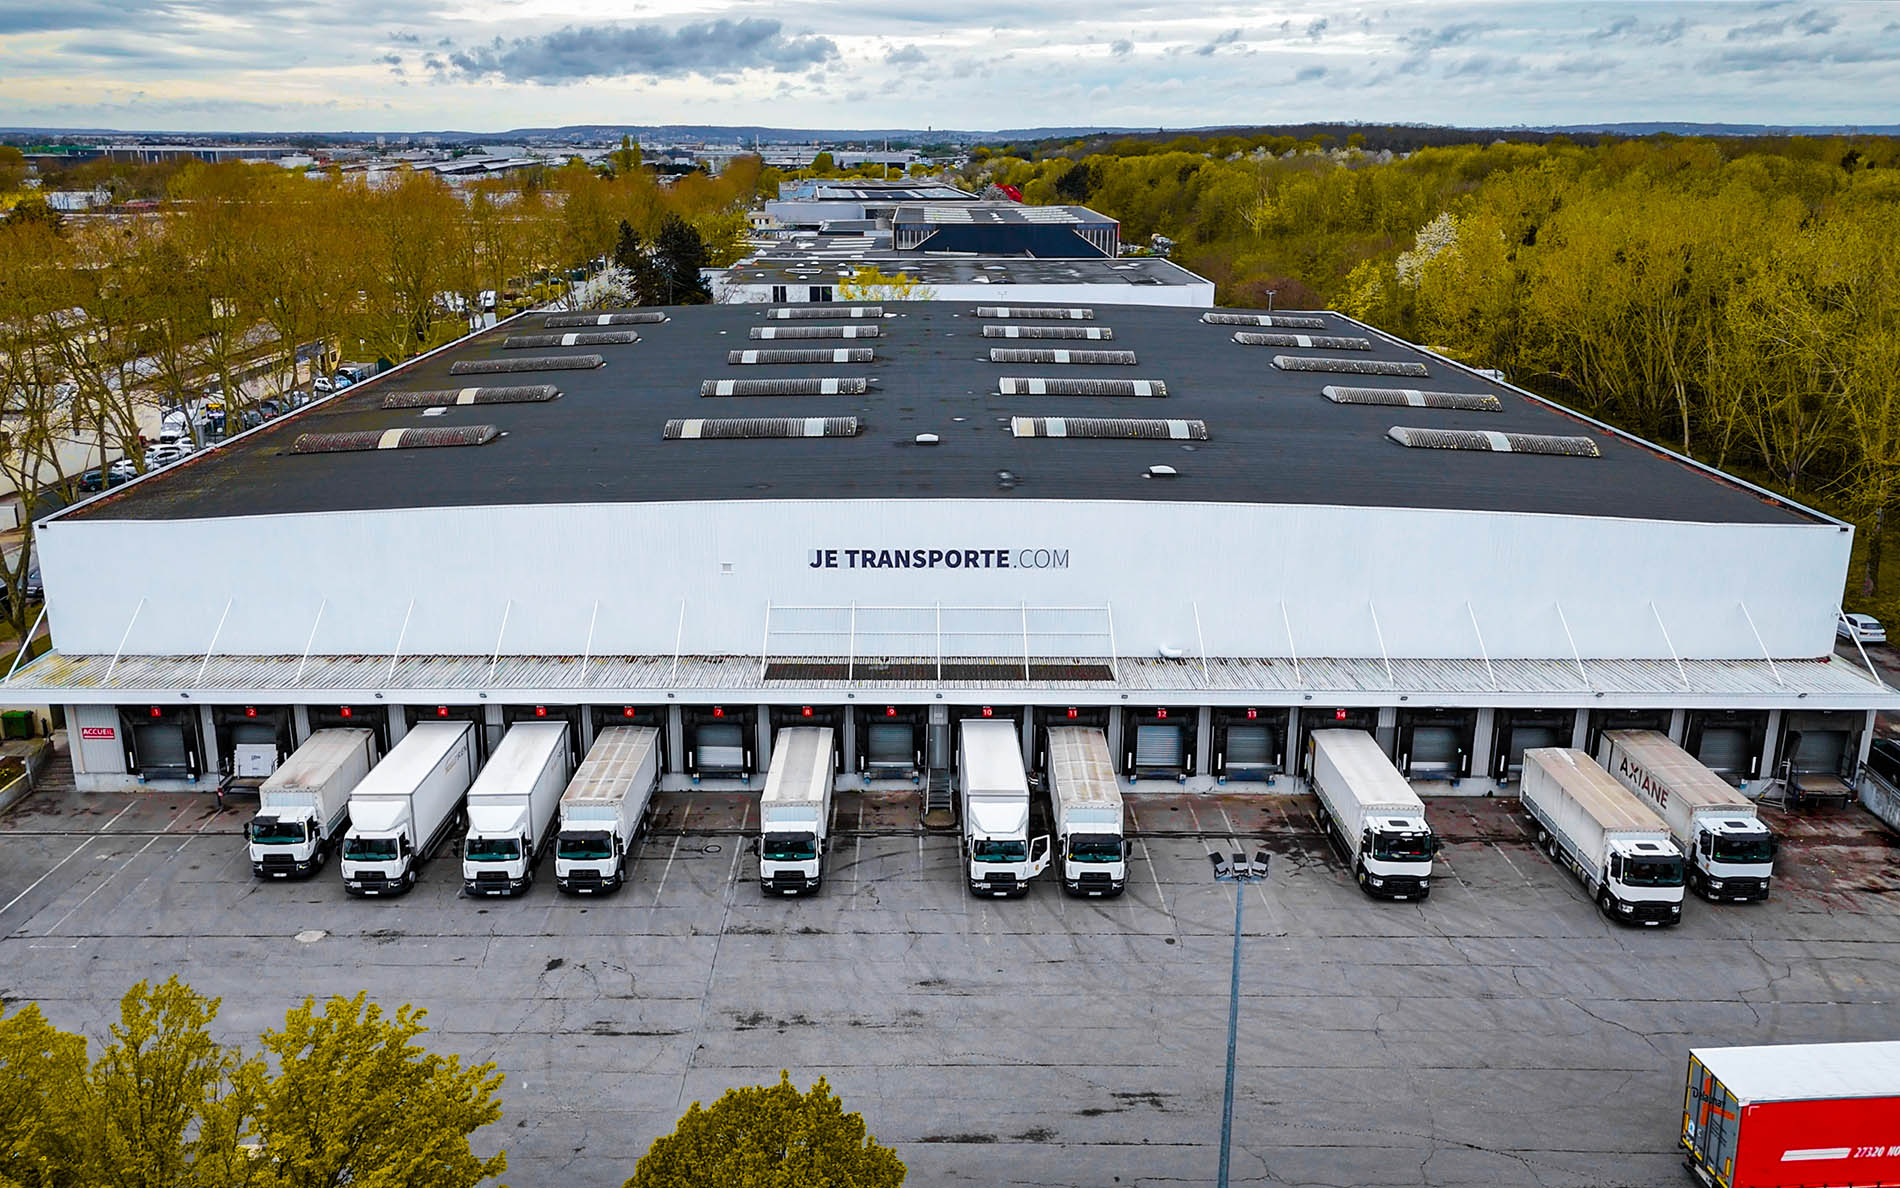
point(938, 558)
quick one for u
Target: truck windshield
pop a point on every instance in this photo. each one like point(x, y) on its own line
point(492, 849)
point(369, 849)
point(1744, 849)
point(584, 845)
point(271, 831)
point(986, 849)
point(1095, 847)
point(789, 847)
point(1653, 872)
point(1402, 847)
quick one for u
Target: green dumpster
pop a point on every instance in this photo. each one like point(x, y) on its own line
point(16, 724)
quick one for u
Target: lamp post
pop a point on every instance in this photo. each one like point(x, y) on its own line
point(1240, 873)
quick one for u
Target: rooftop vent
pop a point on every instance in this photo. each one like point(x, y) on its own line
point(516, 342)
point(1284, 321)
point(1015, 386)
point(393, 439)
point(1036, 312)
point(1163, 472)
point(1471, 401)
point(774, 332)
point(644, 317)
point(1095, 333)
point(1324, 341)
point(1497, 443)
point(809, 355)
point(695, 428)
point(1131, 427)
point(1351, 366)
point(824, 312)
point(439, 397)
point(527, 363)
point(1035, 355)
point(829, 386)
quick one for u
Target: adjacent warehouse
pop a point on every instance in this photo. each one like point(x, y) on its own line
point(1206, 532)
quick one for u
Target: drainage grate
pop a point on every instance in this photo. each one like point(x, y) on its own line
point(394, 439)
point(646, 317)
point(808, 355)
point(1494, 443)
point(439, 397)
point(516, 342)
point(824, 312)
point(780, 332)
point(1059, 355)
point(1285, 321)
point(830, 386)
point(1096, 333)
point(1129, 427)
point(1351, 366)
point(1470, 401)
point(706, 428)
point(527, 363)
point(1036, 312)
point(1016, 386)
point(1324, 341)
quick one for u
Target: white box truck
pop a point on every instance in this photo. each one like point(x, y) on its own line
point(511, 808)
point(407, 804)
point(305, 805)
point(999, 856)
point(604, 807)
point(795, 811)
point(1085, 801)
point(1372, 814)
point(1729, 850)
point(1613, 842)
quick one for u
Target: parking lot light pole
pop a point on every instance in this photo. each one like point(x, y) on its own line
point(1240, 873)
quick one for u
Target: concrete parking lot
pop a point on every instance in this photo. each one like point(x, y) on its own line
point(1502, 1033)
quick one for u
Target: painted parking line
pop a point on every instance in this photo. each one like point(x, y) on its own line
point(149, 843)
point(68, 858)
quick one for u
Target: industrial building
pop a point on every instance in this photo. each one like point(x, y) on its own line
point(1207, 532)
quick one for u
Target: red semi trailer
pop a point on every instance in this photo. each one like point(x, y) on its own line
point(1794, 1116)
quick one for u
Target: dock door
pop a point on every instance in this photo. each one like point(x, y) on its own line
point(830, 717)
point(1047, 716)
point(353, 717)
point(1624, 719)
point(569, 715)
point(1249, 744)
point(1365, 717)
point(891, 741)
point(162, 743)
point(721, 740)
point(261, 731)
point(454, 713)
point(1727, 742)
point(651, 716)
point(1435, 744)
point(1518, 730)
point(1158, 742)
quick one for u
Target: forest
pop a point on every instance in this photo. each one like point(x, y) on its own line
point(1737, 300)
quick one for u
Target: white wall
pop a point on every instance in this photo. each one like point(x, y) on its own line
point(1194, 295)
point(1152, 563)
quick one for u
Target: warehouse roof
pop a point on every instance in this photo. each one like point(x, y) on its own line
point(830, 259)
point(1267, 432)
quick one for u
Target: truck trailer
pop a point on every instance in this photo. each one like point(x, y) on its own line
point(604, 807)
point(999, 857)
point(1371, 813)
point(408, 804)
point(1614, 843)
point(511, 808)
point(305, 805)
point(1085, 801)
point(795, 811)
point(1730, 853)
point(1793, 1114)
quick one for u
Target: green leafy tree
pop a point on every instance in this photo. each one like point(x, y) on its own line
point(626, 158)
point(822, 165)
point(678, 255)
point(356, 1101)
point(769, 1136)
point(42, 1101)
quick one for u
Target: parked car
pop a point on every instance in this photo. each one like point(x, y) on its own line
point(272, 408)
point(1864, 628)
point(31, 586)
point(119, 472)
point(1883, 758)
point(164, 455)
point(324, 384)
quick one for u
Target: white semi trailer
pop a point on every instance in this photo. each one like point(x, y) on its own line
point(1085, 800)
point(998, 854)
point(1614, 843)
point(409, 803)
point(305, 805)
point(604, 807)
point(795, 811)
point(1730, 852)
point(1372, 814)
point(511, 808)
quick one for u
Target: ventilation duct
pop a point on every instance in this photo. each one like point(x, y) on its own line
point(1043, 313)
point(516, 342)
point(527, 363)
point(1350, 366)
point(1469, 401)
point(1495, 443)
point(645, 317)
point(1332, 342)
point(1015, 386)
point(1283, 321)
point(830, 386)
point(1080, 357)
point(779, 332)
point(1094, 333)
point(1128, 427)
point(441, 397)
point(700, 429)
point(811, 355)
point(824, 312)
point(394, 439)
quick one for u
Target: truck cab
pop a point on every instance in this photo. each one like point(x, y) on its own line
point(1733, 858)
point(1002, 858)
point(1094, 863)
point(1395, 855)
point(789, 859)
point(379, 851)
point(287, 840)
point(497, 853)
point(1643, 882)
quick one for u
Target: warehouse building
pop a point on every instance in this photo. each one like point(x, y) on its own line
point(1208, 532)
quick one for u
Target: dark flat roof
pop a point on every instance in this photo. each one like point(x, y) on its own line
point(1273, 438)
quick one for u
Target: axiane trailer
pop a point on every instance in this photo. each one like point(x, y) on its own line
point(1730, 852)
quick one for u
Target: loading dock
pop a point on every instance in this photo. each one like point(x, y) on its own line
point(1727, 742)
point(161, 742)
point(567, 714)
point(1362, 717)
point(1158, 742)
point(1820, 751)
point(1516, 730)
point(600, 717)
point(249, 741)
point(890, 741)
point(1625, 719)
point(721, 740)
point(782, 717)
point(1249, 743)
point(1046, 716)
point(413, 714)
point(1435, 744)
point(360, 717)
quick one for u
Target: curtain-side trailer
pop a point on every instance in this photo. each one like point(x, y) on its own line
point(1729, 850)
point(1793, 1114)
point(1614, 843)
point(1372, 814)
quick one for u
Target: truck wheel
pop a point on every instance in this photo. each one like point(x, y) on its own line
point(321, 856)
point(1543, 840)
point(1604, 903)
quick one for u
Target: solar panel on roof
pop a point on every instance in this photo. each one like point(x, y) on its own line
point(516, 342)
point(808, 355)
point(1215, 317)
point(527, 363)
point(1470, 401)
point(1488, 441)
point(779, 332)
point(394, 439)
point(829, 386)
point(443, 397)
point(1334, 342)
point(1095, 333)
point(1353, 366)
point(1037, 386)
point(1059, 355)
point(643, 317)
point(704, 428)
point(1129, 427)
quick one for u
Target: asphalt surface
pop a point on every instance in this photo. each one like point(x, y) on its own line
point(1502, 1033)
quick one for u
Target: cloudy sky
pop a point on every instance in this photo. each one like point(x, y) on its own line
point(974, 64)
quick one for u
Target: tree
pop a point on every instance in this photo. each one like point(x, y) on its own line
point(625, 159)
point(869, 284)
point(678, 255)
point(823, 166)
point(42, 1100)
point(356, 1101)
point(771, 1136)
